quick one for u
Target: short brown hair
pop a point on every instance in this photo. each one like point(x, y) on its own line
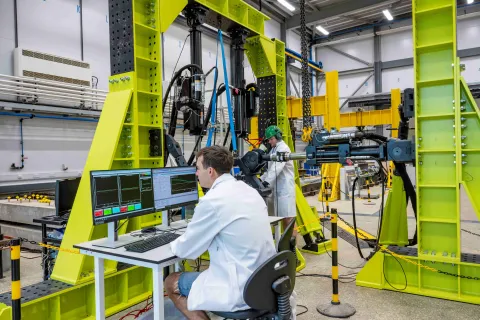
point(216, 157)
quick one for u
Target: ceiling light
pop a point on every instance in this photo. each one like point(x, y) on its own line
point(322, 30)
point(286, 5)
point(470, 1)
point(388, 15)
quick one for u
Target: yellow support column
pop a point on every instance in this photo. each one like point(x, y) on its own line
point(131, 114)
point(331, 119)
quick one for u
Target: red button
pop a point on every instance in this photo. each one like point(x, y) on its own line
point(124, 209)
point(98, 213)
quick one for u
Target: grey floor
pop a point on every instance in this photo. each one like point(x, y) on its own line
point(369, 303)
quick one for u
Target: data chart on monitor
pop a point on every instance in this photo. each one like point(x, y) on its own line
point(174, 187)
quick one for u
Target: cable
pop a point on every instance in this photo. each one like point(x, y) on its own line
point(121, 225)
point(355, 219)
point(404, 274)
point(305, 311)
point(318, 275)
point(380, 220)
point(472, 233)
point(181, 51)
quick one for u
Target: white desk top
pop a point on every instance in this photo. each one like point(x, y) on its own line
point(160, 255)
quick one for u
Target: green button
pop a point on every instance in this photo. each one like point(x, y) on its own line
point(107, 212)
point(131, 207)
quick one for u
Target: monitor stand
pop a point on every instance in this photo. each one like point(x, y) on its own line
point(113, 241)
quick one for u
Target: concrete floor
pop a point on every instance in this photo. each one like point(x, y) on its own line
point(369, 303)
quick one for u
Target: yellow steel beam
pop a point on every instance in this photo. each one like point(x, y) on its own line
point(325, 106)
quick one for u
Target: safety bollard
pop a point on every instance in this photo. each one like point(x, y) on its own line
point(16, 288)
point(335, 309)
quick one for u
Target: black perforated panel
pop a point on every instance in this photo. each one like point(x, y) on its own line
point(36, 291)
point(121, 36)
point(268, 108)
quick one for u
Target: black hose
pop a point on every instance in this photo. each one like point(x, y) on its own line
point(381, 210)
point(375, 136)
point(411, 193)
point(355, 218)
point(220, 90)
point(226, 138)
point(175, 76)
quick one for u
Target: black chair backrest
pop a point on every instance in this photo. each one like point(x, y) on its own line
point(258, 293)
point(284, 242)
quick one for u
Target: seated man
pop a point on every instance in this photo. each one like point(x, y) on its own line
point(231, 222)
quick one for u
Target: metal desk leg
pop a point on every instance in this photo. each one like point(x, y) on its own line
point(278, 232)
point(158, 303)
point(99, 289)
point(45, 255)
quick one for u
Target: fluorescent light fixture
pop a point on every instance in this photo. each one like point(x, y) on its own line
point(322, 30)
point(286, 5)
point(470, 1)
point(388, 15)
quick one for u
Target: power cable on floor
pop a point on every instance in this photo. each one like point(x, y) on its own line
point(470, 232)
point(303, 312)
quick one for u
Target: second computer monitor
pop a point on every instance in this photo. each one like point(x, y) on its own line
point(174, 187)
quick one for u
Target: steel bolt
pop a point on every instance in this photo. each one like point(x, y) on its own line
point(464, 162)
point(420, 163)
point(464, 144)
point(463, 126)
point(463, 155)
point(462, 67)
point(454, 162)
point(463, 101)
point(111, 81)
point(462, 108)
point(420, 139)
point(463, 119)
point(463, 137)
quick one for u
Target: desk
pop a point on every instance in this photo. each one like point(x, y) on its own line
point(156, 260)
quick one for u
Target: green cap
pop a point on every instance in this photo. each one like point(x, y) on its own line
point(273, 131)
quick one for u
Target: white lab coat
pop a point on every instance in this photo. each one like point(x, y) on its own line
point(283, 189)
point(231, 221)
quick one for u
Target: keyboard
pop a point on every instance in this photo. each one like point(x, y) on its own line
point(151, 243)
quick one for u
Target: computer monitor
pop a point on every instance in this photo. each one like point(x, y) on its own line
point(120, 194)
point(174, 187)
point(65, 192)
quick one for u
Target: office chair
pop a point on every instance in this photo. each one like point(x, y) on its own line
point(285, 242)
point(267, 291)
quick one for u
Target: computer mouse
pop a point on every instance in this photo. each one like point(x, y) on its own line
point(149, 230)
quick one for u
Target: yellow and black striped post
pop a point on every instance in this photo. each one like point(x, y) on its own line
point(368, 189)
point(16, 288)
point(335, 309)
point(333, 221)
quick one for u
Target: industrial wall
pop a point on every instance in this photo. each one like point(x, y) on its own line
point(57, 148)
point(395, 46)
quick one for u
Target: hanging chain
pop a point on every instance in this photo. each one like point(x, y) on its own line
point(307, 113)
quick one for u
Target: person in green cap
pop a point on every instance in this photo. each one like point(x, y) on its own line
point(280, 176)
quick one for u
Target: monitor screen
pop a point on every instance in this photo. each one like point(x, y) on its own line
point(174, 187)
point(65, 192)
point(120, 194)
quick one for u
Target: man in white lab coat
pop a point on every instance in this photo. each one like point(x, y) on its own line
point(231, 222)
point(281, 178)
